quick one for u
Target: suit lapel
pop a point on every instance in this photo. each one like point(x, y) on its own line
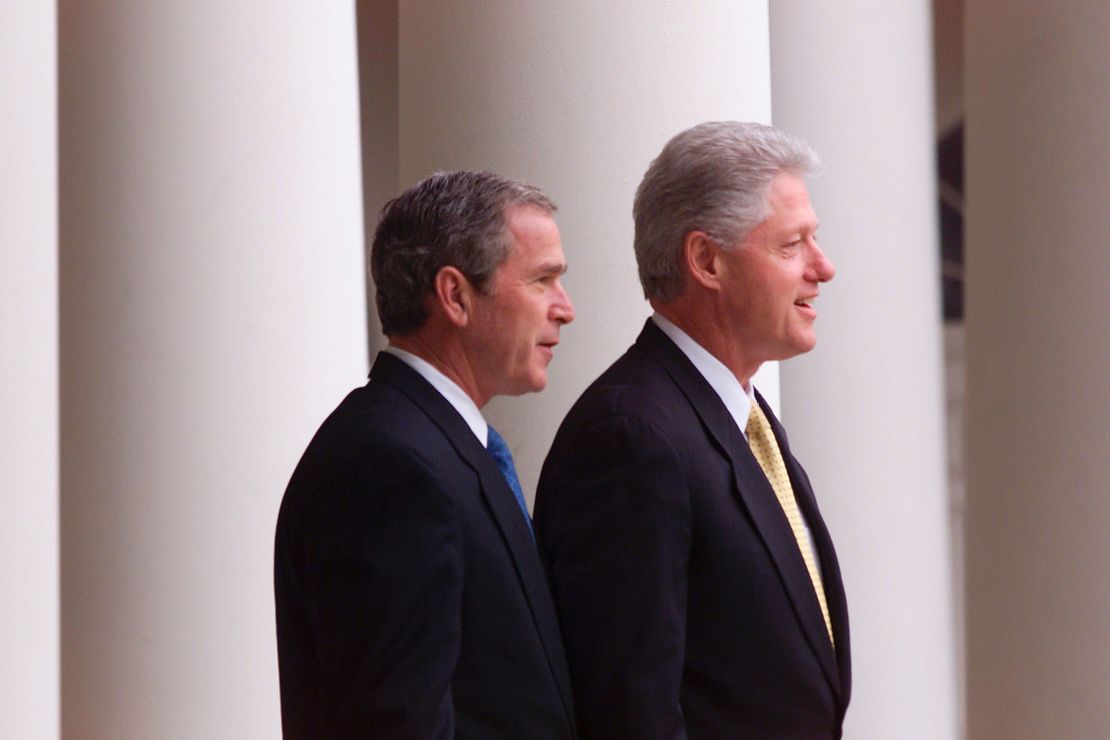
point(830, 567)
point(754, 492)
point(502, 504)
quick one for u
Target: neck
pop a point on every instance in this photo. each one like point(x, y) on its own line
point(702, 323)
point(445, 354)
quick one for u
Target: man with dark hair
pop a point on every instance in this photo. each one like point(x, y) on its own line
point(411, 600)
point(697, 585)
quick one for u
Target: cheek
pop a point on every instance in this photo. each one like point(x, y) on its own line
point(521, 332)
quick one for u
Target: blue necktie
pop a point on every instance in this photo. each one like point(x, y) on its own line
point(501, 455)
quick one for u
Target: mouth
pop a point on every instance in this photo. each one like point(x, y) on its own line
point(807, 304)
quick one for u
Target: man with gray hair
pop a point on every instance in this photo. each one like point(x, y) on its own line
point(411, 599)
point(697, 585)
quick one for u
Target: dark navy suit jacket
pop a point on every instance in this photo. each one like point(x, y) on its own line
point(411, 600)
point(686, 608)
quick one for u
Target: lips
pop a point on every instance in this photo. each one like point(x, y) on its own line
point(805, 306)
point(806, 302)
point(549, 346)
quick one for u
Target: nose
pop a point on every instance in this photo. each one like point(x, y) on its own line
point(822, 270)
point(562, 309)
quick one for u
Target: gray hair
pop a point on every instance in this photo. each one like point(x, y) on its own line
point(450, 218)
point(713, 177)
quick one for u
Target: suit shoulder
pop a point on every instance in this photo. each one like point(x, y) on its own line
point(635, 386)
point(380, 419)
point(377, 440)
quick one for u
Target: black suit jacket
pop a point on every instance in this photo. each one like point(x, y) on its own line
point(686, 608)
point(411, 601)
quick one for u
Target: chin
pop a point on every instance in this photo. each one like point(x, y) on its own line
point(804, 344)
point(531, 384)
point(795, 349)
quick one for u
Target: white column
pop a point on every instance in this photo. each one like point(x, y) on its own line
point(576, 97)
point(1038, 348)
point(212, 313)
point(29, 659)
point(865, 408)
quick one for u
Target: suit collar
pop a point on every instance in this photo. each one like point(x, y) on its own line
point(720, 378)
point(393, 371)
point(757, 496)
point(447, 388)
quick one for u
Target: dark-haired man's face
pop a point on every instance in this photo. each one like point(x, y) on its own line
point(516, 325)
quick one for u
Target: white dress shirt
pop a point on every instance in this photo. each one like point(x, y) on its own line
point(450, 391)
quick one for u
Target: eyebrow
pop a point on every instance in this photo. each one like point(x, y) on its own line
point(550, 268)
point(798, 233)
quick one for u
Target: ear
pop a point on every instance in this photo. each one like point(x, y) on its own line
point(453, 295)
point(700, 253)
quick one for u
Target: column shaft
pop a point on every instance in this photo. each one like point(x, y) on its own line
point(212, 314)
point(1038, 173)
point(865, 408)
point(29, 668)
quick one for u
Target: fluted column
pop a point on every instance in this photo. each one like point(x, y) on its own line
point(211, 315)
point(576, 97)
point(29, 656)
point(865, 408)
point(1038, 349)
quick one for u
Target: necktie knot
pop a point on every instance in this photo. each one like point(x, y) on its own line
point(761, 438)
point(503, 458)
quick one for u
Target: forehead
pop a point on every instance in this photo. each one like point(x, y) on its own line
point(535, 235)
point(788, 201)
point(523, 219)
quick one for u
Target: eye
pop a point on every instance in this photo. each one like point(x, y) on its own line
point(542, 283)
point(549, 278)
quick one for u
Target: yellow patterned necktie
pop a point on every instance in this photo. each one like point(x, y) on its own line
point(766, 450)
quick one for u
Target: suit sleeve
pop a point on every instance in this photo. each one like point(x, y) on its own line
point(383, 578)
point(614, 514)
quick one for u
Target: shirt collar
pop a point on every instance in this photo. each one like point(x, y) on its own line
point(720, 378)
point(447, 388)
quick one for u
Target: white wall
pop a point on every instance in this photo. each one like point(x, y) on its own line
point(212, 314)
point(29, 660)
